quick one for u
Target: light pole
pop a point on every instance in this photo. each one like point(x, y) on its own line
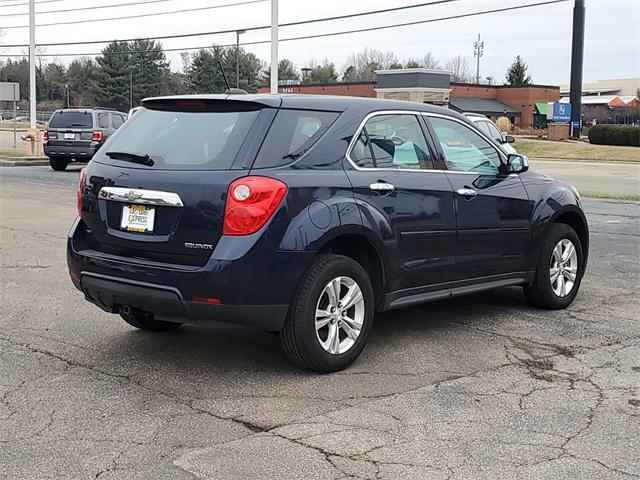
point(32, 64)
point(274, 47)
point(577, 57)
point(238, 33)
point(478, 50)
point(66, 91)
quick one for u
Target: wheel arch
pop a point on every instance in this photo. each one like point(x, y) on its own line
point(574, 218)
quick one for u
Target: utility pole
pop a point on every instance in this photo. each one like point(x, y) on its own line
point(32, 64)
point(130, 87)
point(577, 57)
point(274, 47)
point(238, 33)
point(478, 50)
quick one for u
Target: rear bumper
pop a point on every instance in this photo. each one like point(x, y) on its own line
point(167, 303)
point(79, 153)
point(254, 289)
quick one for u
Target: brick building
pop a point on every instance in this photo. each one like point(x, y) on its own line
point(430, 86)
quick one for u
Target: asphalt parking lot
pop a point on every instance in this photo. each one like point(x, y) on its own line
point(479, 387)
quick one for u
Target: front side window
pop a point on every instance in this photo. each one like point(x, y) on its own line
point(392, 141)
point(464, 150)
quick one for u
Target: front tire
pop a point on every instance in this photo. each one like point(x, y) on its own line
point(146, 321)
point(331, 315)
point(559, 270)
point(58, 164)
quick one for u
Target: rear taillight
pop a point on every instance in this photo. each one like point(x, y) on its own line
point(251, 201)
point(81, 184)
point(96, 136)
point(45, 135)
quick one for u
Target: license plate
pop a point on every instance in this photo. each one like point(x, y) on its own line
point(69, 136)
point(137, 218)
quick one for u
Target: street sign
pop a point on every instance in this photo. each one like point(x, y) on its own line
point(559, 112)
point(9, 91)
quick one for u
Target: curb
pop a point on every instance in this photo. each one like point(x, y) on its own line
point(584, 160)
point(24, 162)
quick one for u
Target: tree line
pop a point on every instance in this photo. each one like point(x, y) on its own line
point(125, 73)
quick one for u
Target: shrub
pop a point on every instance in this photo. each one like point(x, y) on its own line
point(615, 135)
point(503, 124)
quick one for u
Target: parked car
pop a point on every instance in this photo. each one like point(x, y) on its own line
point(76, 134)
point(491, 130)
point(307, 214)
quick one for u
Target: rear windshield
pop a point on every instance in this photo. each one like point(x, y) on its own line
point(184, 140)
point(71, 120)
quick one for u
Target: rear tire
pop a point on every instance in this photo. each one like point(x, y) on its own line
point(146, 321)
point(58, 164)
point(557, 279)
point(316, 339)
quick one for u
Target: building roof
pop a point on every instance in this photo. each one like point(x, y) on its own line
point(481, 105)
point(593, 99)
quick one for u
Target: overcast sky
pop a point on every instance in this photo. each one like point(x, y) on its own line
point(542, 35)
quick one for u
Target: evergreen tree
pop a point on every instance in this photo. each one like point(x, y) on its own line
point(324, 73)
point(204, 74)
point(150, 69)
point(517, 73)
point(79, 75)
point(110, 83)
point(286, 71)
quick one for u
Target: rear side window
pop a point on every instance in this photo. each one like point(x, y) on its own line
point(184, 140)
point(103, 120)
point(292, 133)
point(71, 120)
point(117, 120)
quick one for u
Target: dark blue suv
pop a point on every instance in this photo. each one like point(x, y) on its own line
point(307, 214)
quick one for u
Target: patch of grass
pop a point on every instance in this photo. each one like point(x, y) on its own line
point(576, 151)
point(9, 124)
point(611, 196)
point(12, 153)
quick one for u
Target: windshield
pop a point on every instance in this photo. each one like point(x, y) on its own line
point(184, 140)
point(71, 120)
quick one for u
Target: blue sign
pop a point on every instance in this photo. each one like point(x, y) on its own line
point(560, 112)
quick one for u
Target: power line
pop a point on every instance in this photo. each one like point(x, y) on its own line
point(19, 4)
point(65, 10)
point(154, 14)
point(233, 30)
point(305, 37)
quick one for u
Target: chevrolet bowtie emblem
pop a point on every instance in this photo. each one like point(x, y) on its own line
point(132, 195)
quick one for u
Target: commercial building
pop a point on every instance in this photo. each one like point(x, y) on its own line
point(434, 86)
point(614, 86)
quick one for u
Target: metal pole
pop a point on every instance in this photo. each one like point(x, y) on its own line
point(32, 63)
point(238, 33)
point(130, 87)
point(577, 56)
point(274, 47)
point(15, 114)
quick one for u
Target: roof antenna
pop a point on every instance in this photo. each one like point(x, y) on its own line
point(229, 90)
point(226, 82)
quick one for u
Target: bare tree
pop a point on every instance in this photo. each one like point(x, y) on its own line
point(185, 57)
point(428, 61)
point(460, 69)
point(362, 66)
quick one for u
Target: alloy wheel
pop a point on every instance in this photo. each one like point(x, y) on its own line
point(563, 270)
point(339, 315)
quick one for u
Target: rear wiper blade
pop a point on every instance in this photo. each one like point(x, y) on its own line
point(131, 157)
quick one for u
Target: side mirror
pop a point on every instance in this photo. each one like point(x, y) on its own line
point(509, 139)
point(517, 163)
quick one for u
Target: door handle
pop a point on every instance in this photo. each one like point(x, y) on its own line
point(382, 187)
point(467, 192)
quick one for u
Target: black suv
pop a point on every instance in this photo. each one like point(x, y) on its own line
point(306, 214)
point(76, 134)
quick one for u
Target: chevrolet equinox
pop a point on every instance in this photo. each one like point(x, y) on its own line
point(307, 214)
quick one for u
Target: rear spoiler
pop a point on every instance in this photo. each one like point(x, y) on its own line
point(217, 103)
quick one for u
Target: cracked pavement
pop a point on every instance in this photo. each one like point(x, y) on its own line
point(478, 387)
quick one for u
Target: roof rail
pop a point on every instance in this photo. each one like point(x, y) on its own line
point(83, 107)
